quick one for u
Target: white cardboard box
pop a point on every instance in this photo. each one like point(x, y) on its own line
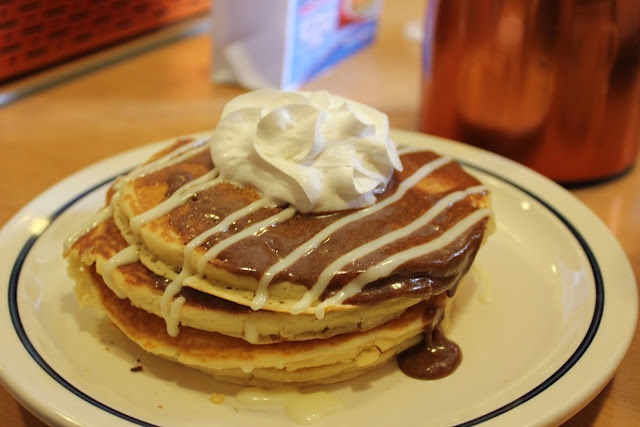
point(284, 43)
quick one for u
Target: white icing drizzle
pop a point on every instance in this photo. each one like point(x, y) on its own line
point(262, 294)
point(174, 315)
point(254, 229)
point(327, 274)
point(222, 227)
point(387, 266)
point(128, 255)
point(167, 303)
point(180, 196)
point(250, 331)
point(102, 215)
point(169, 313)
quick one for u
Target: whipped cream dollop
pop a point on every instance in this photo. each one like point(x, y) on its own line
point(316, 151)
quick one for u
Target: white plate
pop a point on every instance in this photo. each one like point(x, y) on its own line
point(549, 319)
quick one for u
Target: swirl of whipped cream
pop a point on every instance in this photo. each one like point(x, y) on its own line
point(315, 151)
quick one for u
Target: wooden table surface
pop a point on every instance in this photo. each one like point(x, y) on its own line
point(166, 91)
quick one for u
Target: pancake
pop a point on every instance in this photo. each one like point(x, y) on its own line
point(144, 289)
point(254, 287)
point(301, 363)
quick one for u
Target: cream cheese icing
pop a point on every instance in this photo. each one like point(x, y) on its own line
point(316, 151)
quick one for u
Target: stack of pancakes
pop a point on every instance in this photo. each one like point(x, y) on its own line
point(215, 276)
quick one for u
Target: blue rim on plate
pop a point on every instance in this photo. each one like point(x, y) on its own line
point(541, 387)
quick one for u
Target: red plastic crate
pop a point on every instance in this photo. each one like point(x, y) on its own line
point(38, 33)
